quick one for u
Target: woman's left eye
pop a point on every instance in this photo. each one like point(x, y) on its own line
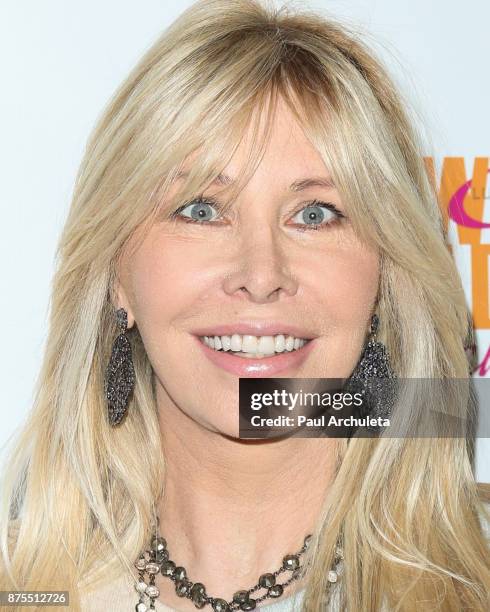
point(318, 214)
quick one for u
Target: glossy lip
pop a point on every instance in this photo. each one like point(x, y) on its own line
point(255, 328)
point(255, 368)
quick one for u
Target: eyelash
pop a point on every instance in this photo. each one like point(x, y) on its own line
point(304, 227)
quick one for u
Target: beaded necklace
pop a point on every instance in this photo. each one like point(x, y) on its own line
point(156, 559)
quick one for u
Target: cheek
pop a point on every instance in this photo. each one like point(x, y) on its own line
point(166, 277)
point(345, 282)
point(355, 280)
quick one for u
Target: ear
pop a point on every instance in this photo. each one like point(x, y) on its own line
point(121, 300)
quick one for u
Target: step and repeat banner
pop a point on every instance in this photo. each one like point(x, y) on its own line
point(464, 199)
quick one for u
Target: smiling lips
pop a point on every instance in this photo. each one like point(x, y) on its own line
point(250, 355)
point(255, 348)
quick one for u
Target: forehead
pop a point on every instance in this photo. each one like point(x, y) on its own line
point(288, 156)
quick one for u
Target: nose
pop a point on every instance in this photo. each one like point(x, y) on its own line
point(261, 268)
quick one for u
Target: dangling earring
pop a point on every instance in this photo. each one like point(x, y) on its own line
point(374, 377)
point(119, 380)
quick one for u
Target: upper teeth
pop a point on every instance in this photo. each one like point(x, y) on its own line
point(263, 345)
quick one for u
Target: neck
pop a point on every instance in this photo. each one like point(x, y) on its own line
point(232, 508)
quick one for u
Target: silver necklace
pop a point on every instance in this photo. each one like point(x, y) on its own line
point(156, 559)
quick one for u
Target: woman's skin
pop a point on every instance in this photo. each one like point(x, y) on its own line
point(233, 508)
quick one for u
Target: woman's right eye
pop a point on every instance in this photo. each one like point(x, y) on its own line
point(197, 211)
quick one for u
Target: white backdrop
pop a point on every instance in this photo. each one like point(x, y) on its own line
point(61, 61)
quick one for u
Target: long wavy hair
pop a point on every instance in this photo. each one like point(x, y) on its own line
point(78, 497)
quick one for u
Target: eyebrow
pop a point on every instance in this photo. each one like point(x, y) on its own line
point(298, 185)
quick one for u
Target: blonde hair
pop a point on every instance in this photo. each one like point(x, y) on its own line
point(77, 492)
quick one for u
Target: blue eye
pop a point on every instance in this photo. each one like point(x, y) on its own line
point(198, 210)
point(318, 214)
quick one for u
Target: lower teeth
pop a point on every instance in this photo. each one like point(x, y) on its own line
point(252, 355)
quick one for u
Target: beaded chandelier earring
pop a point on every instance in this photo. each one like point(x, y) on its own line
point(119, 379)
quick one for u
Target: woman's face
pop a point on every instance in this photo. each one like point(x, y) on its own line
point(281, 278)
